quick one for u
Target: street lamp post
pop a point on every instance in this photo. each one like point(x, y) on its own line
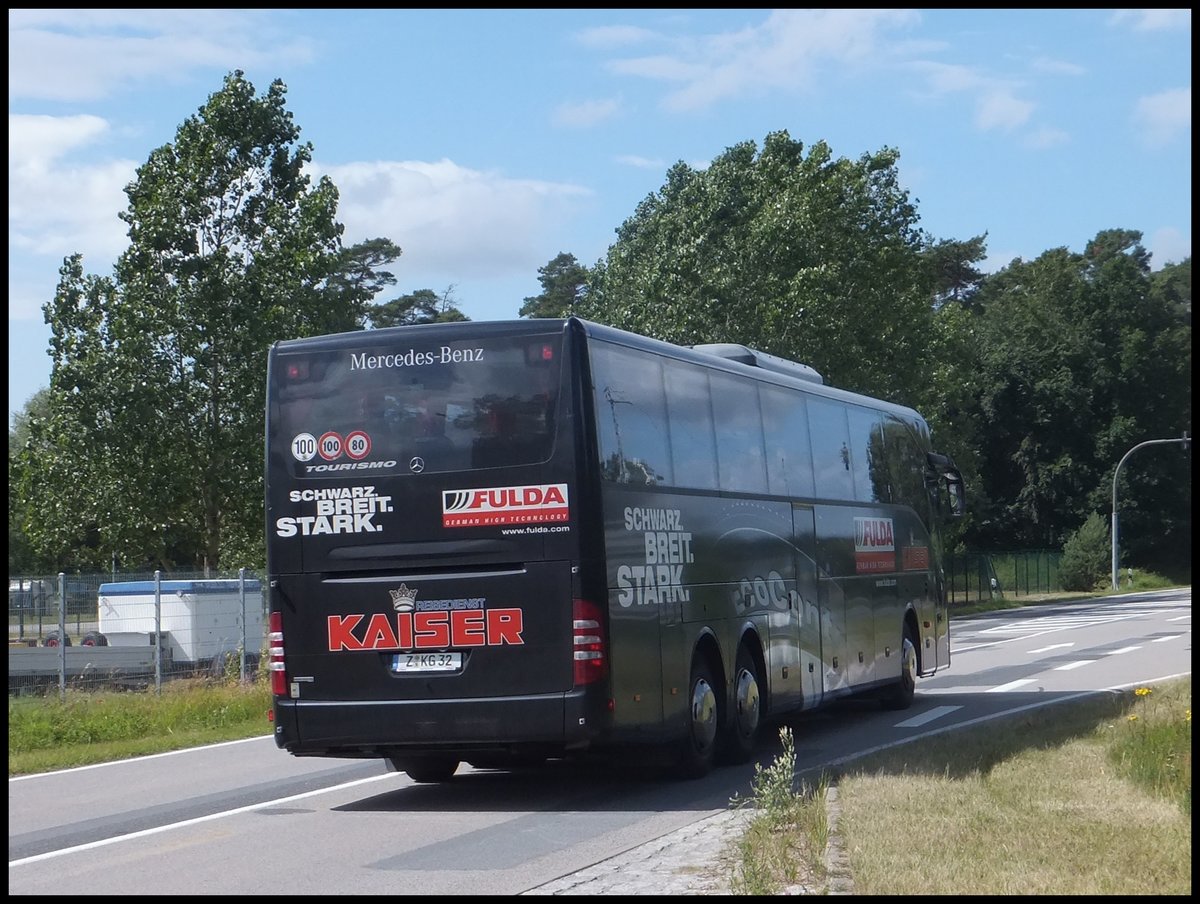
point(1185, 439)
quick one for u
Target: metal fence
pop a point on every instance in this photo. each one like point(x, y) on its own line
point(90, 632)
point(985, 576)
point(96, 631)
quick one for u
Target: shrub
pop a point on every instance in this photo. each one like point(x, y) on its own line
point(1086, 556)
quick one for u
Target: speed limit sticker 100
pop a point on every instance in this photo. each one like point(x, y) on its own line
point(304, 447)
point(330, 445)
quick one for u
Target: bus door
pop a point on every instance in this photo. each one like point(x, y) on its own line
point(806, 606)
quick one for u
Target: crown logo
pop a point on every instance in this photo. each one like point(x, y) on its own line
point(403, 600)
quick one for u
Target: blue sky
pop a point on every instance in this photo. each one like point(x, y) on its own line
point(484, 143)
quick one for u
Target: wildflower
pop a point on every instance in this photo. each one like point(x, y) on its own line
point(1133, 718)
point(1143, 692)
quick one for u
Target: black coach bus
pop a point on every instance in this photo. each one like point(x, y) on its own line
point(501, 542)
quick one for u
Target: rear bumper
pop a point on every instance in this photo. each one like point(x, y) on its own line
point(553, 722)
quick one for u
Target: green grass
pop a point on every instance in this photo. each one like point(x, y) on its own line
point(48, 733)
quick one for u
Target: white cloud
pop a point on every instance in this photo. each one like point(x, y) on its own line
point(57, 208)
point(783, 52)
point(639, 162)
point(450, 219)
point(614, 36)
point(1057, 67)
point(586, 113)
point(1153, 19)
point(1163, 116)
point(82, 54)
point(999, 109)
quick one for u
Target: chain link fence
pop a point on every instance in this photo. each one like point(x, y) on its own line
point(87, 632)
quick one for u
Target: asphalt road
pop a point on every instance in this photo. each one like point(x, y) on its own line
point(246, 818)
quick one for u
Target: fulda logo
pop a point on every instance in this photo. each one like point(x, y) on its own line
point(505, 505)
point(874, 545)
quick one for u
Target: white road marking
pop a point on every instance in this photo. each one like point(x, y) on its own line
point(924, 718)
point(1053, 646)
point(91, 845)
point(1073, 665)
point(1011, 686)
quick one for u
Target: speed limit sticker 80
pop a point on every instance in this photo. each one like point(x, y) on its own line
point(358, 445)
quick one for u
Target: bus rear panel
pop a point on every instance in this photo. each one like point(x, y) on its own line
point(423, 550)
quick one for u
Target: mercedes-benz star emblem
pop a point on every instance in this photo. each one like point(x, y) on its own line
point(417, 465)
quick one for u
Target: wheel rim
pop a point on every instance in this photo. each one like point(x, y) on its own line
point(908, 662)
point(748, 704)
point(704, 715)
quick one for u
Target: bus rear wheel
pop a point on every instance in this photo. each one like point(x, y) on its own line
point(427, 770)
point(742, 734)
point(698, 750)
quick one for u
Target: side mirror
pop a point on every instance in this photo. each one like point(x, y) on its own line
point(943, 470)
point(954, 489)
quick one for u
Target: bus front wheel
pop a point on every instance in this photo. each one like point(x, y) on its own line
point(699, 744)
point(902, 692)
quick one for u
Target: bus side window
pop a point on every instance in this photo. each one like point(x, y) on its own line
point(631, 416)
point(831, 449)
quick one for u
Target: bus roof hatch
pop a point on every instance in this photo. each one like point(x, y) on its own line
point(734, 352)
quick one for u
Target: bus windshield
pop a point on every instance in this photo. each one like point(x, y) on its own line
point(432, 409)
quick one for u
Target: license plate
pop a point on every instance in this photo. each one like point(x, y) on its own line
point(426, 662)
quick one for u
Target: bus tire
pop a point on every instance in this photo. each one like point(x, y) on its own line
point(742, 734)
point(94, 639)
point(698, 750)
point(54, 639)
point(432, 770)
point(902, 692)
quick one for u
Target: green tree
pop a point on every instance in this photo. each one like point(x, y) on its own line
point(1080, 357)
point(1086, 556)
point(808, 257)
point(153, 447)
point(22, 559)
point(564, 286)
point(422, 306)
point(955, 276)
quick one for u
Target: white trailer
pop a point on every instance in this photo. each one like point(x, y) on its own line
point(201, 623)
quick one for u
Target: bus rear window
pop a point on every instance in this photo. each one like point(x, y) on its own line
point(415, 409)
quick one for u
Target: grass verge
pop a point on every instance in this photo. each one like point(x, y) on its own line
point(1091, 797)
point(48, 733)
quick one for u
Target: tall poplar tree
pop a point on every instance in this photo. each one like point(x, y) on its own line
point(153, 447)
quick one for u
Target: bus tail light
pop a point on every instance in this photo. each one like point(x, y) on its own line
point(590, 647)
point(275, 648)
